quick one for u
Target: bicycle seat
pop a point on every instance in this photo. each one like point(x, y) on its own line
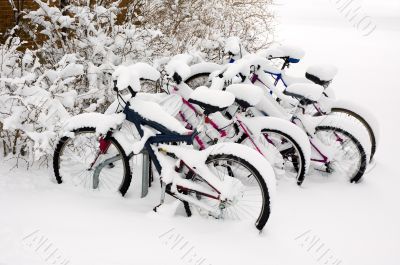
point(321, 74)
point(171, 104)
point(211, 100)
point(246, 95)
point(305, 93)
point(155, 115)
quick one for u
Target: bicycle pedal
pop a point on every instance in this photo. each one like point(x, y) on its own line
point(323, 171)
point(167, 209)
point(155, 208)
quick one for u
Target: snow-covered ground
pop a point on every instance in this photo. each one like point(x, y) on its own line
point(327, 220)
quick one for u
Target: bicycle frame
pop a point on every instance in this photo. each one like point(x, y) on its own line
point(179, 184)
point(323, 151)
point(166, 135)
point(223, 133)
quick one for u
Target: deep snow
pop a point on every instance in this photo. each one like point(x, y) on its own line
point(358, 224)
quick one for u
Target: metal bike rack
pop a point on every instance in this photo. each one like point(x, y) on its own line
point(145, 173)
point(98, 169)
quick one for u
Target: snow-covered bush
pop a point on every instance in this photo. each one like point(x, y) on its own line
point(199, 25)
point(76, 48)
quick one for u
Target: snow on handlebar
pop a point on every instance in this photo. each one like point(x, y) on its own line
point(244, 66)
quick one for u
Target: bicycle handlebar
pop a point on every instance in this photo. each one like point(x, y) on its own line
point(286, 60)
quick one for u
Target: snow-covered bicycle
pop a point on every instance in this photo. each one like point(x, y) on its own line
point(318, 74)
point(282, 143)
point(337, 143)
point(227, 180)
point(322, 75)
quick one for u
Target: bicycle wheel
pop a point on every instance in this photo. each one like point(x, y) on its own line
point(356, 117)
point(294, 163)
point(350, 158)
point(78, 161)
point(254, 200)
point(198, 80)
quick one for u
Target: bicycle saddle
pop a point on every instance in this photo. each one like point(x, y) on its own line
point(155, 114)
point(305, 93)
point(246, 95)
point(211, 100)
point(171, 104)
point(321, 74)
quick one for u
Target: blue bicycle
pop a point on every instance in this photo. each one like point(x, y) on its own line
point(226, 181)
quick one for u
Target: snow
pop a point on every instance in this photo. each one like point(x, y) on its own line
point(358, 224)
point(102, 122)
point(217, 98)
point(291, 51)
point(264, 80)
point(257, 124)
point(182, 89)
point(138, 146)
point(325, 72)
point(270, 107)
point(310, 91)
point(130, 75)
point(170, 103)
point(42, 142)
point(196, 159)
point(369, 117)
point(240, 66)
point(355, 129)
point(290, 80)
point(204, 67)
point(255, 60)
point(220, 119)
point(245, 64)
point(232, 45)
point(68, 98)
point(178, 66)
point(72, 69)
point(251, 156)
point(250, 93)
point(154, 112)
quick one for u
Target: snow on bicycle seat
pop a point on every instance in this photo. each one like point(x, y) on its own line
point(211, 100)
point(306, 93)
point(321, 74)
point(152, 111)
point(291, 80)
point(246, 95)
point(171, 103)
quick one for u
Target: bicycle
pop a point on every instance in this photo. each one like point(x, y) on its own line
point(290, 55)
point(285, 146)
point(334, 106)
point(330, 136)
point(226, 181)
